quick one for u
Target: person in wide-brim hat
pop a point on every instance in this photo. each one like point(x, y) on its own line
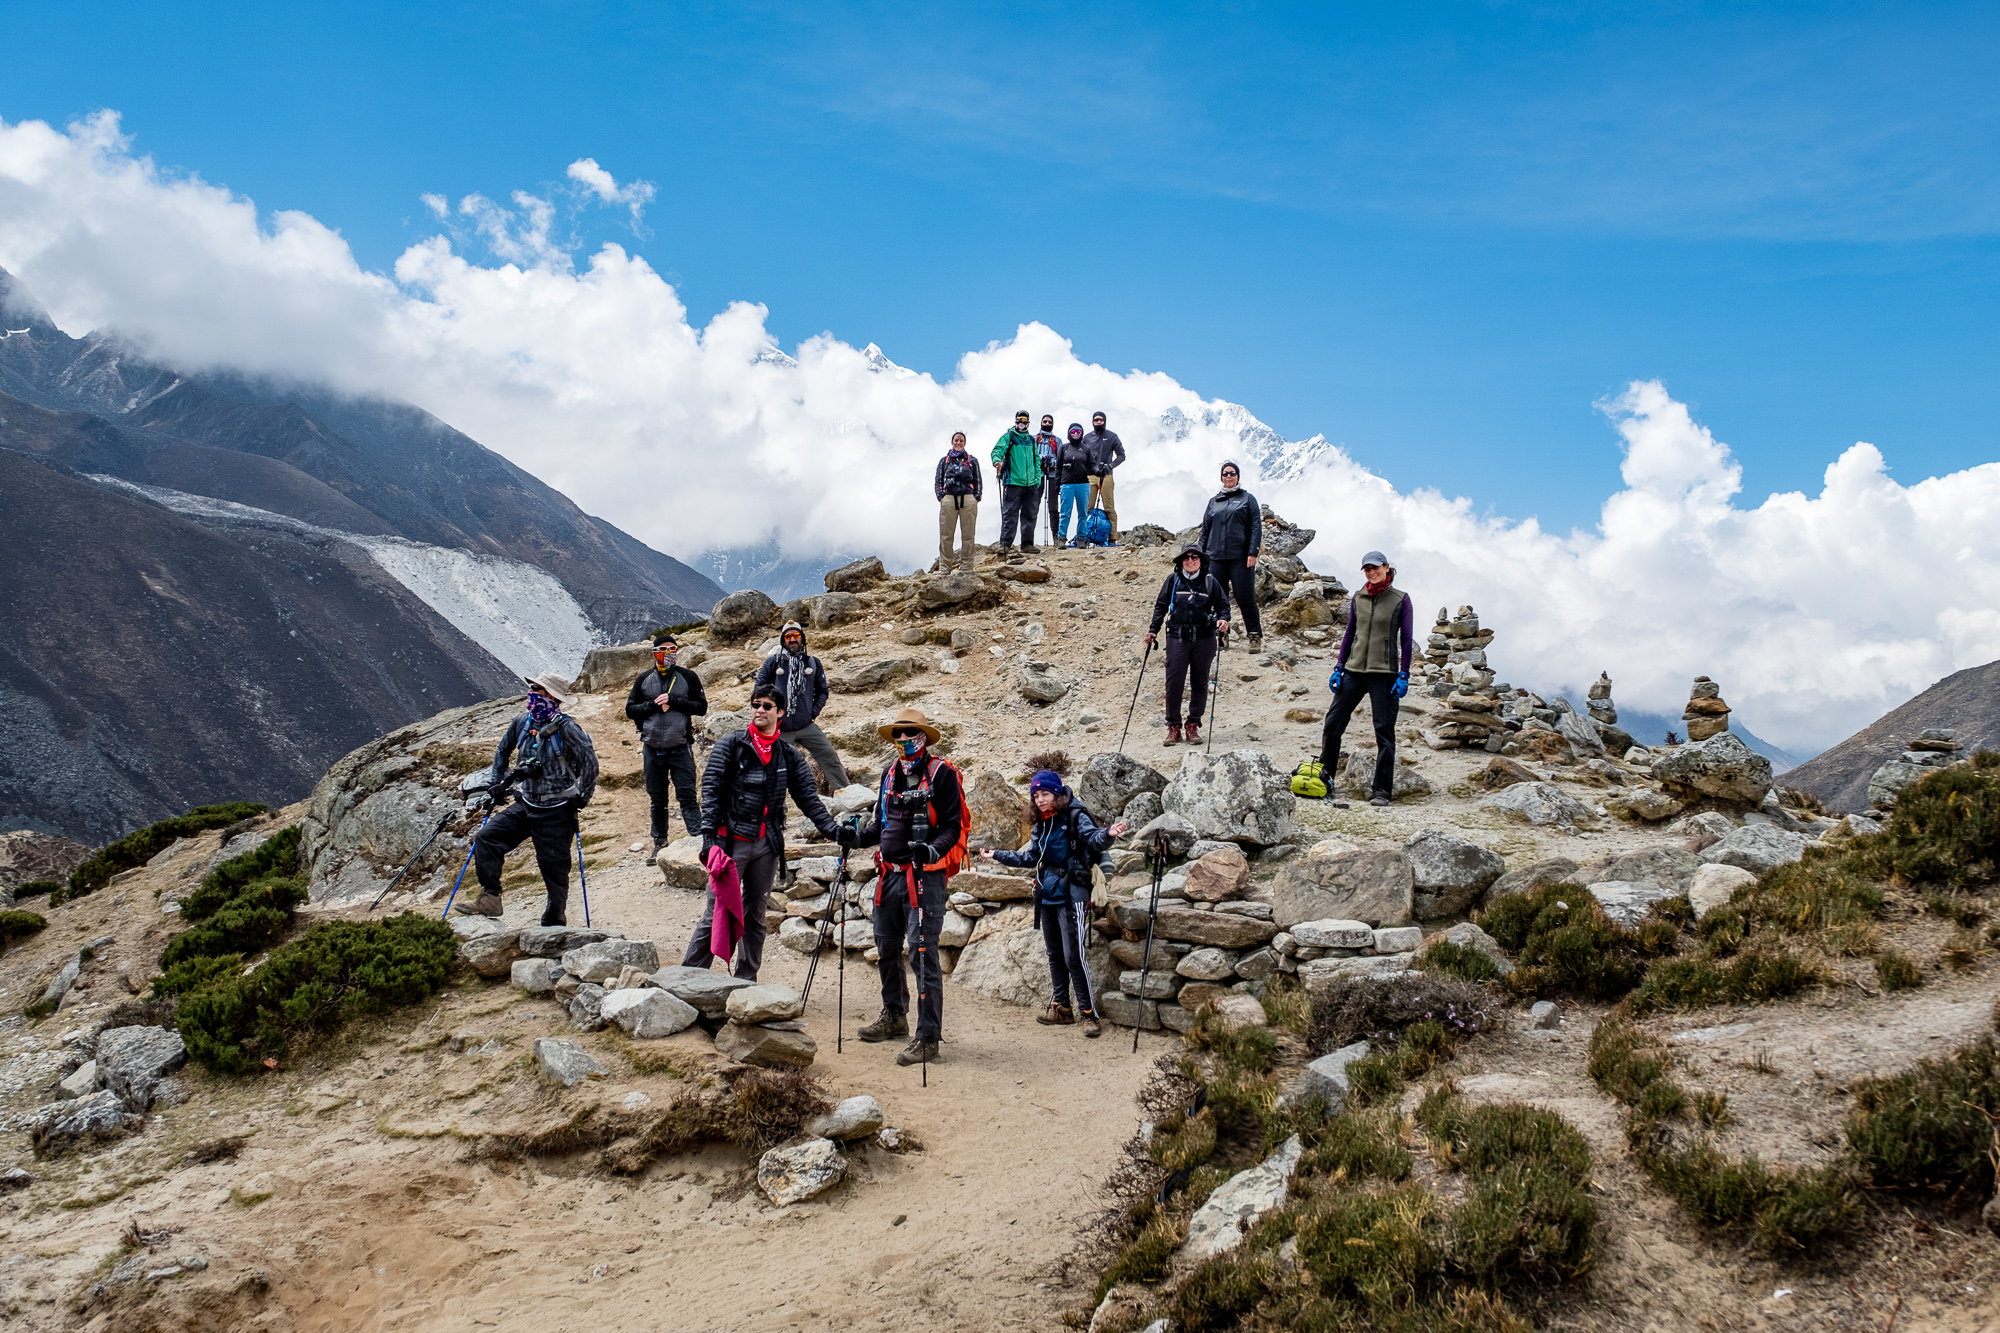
point(911, 717)
point(551, 684)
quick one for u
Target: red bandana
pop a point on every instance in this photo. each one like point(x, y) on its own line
point(763, 743)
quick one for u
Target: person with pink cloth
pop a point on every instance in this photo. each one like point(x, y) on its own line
point(743, 788)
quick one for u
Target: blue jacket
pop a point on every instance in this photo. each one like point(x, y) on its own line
point(1062, 847)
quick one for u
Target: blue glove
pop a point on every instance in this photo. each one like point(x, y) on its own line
point(1401, 687)
point(1333, 681)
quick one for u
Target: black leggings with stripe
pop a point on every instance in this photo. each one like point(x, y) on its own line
point(1065, 931)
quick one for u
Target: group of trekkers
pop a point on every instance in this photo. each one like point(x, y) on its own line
point(1071, 477)
point(919, 822)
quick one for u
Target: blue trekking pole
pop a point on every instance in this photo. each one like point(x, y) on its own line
point(582, 878)
point(474, 843)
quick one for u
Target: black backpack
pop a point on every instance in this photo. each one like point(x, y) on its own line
point(958, 477)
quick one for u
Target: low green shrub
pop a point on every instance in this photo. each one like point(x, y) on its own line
point(16, 926)
point(135, 849)
point(1457, 960)
point(1896, 970)
point(1692, 983)
point(1945, 829)
point(35, 888)
point(337, 971)
point(1346, 1010)
point(1564, 944)
point(278, 856)
point(243, 906)
point(191, 974)
point(1930, 1127)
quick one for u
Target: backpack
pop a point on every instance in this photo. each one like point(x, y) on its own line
point(1309, 781)
point(958, 476)
point(954, 859)
point(1096, 529)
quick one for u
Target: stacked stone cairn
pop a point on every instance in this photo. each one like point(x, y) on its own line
point(1932, 750)
point(1455, 668)
point(1706, 714)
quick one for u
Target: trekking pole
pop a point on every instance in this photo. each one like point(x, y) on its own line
point(581, 877)
point(1152, 916)
point(1215, 691)
point(412, 861)
point(470, 848)
point(836, 900)
point(1135, 697)
point(923, 1049)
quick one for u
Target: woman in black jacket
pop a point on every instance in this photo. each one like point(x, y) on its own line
point(1073, 471)
point(1232, 533)
point(1195, 609)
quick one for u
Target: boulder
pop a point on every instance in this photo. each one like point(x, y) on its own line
point(801, 1170)
point(1238, 1011)
point(1579, 730)
point(533, 975)
point(1356, 778)
point(1109, 782)
point(1037, 686)
point(1450, 874)
point(957, 930)
point(771, 1048)
point(602, 960)
point(132, 1061)
point(740, 615)
point(1721, 766)
point(707, 991)
point(1143, 809)
point(1552, 870)
point(1627, 902)
point(1011, 966)
point(1238, 796)
point(614, 667)
point(853, 1118)
point(1319, 971)
point(59, 984)
point(565, 1062)
point(61, 1125)
point(586, 1007)
point(1715, 885)
point(1542, 804)
point(1468, 936)
point(555, 941)
point(1543, 1015)
point(950, 590)
point(1334, 933)
point(1206, 964)
point(1643, 805)
point(764, 1004)
point(999, 813)
point(1755, 848)
point(856, 575)
point(1224, 930)
point(1326, 1078)
point(82, 1083)
point(1024, 573)
point(806, 937)
point(1129, 1011)
point(646, 1012)
point(994, 887)
point(1888, 781)
point(1500, 772)
point(491, 953)
point(1376, 887)
point(1219, 1225)
point(1218, 876)
point(876, 675)
point(1180, 833)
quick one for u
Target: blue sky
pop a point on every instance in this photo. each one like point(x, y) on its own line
point(1438, 234)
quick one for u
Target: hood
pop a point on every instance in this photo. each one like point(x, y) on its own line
point(791, 625)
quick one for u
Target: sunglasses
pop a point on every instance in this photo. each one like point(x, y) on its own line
point(903, 733)
point(1229, 472)
point(763, 706)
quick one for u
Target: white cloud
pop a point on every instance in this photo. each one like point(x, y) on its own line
point(599, 182)
point(1815, 612)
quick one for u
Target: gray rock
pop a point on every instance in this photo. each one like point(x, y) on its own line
point(798, 1172)
point(1218, 1226)
point(853, 1118)
point(1234, 797)
point(1544, 1014)
point(1755, 848)
point(1541, 804)
point(801, 935)
point(1159, 983)
point(1668, 867)
point(1326, 1077)
point(1131, 953)
point(99, 1116)
point(586, 1007)
point(772, 1048)
point(764, 1004)
point(1127, 1011)
point(131, 1061)
point(1257, 965)
point(1580, 731)
point(565, 1062)
point(1261, 911)
point(1399, 939)
point(1377, 887)
point(1553, 870)
point(1040, 687)
point(1627, 902)
point(555, 941)
point(1203, 846)
point(949, 590)
point(59, 984)
point(1450, 874)
point(491, 953)
point(1721, 766)
point(534, 975)
point(1334, 933)
point(876, 675)
point(1206, 964)
point(82, 1083)
point(1180, 833)
point(1224, 930)
point(603, 960)
point(1175, 1017)
point(1714, 886)
point(1468, 936)
point(1643, 805)
point(1008, 965)
point(740, 615)
point(646, 1012)
point(1320, 970)
point(856, 575)
point(1888, 781)
point(834, 608)
point(1143, 809)
point(1109, 782)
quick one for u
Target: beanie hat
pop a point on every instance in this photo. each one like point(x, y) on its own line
point(1075, 429)
point(665, 637)
point(1045, 780)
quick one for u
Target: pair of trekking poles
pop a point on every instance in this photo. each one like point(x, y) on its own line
point(1215, 693)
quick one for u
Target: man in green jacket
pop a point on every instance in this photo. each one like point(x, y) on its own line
point(1017, 462)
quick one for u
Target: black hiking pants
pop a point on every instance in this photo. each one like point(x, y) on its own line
point(1353, 686)
point(1066, 935)
point(1017, 509)
point(552, 831)
point(1052, 490)
point(896, 935)
point(675, 768)
point(1187, 657)
point(756, 871)
point(1239, 580)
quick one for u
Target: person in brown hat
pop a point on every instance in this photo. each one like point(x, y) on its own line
point(920, 825)
point(550, 764)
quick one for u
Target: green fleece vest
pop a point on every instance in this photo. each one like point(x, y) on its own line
point(1377, 644)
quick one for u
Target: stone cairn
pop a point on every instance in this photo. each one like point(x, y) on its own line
point(1932, 750)
point(1706, 714)
point(1456, 670)
point(1599, 703)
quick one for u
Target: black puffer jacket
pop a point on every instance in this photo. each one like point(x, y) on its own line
point(742, 794)
point(1233, 526)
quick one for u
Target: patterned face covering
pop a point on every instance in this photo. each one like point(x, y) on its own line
point(541, 709)
point(911, 746)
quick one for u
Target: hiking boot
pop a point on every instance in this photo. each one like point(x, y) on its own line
point(1256, 644)
point(918, 1052)
point(1378, 799)
point(1090, 1026)
point(1193, 733)
point(1031, 550)
point(486, 904)
point(1173, 735)
point(1056, 1015)
point(892, 1023)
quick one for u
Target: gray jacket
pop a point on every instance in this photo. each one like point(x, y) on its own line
point(568, 767)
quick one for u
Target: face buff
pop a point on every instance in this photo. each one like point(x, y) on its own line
point(911, 746)
point(542, 709)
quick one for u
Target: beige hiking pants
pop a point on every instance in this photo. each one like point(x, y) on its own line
point(956, 514)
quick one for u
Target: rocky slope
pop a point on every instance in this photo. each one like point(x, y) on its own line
point(1965, 702)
